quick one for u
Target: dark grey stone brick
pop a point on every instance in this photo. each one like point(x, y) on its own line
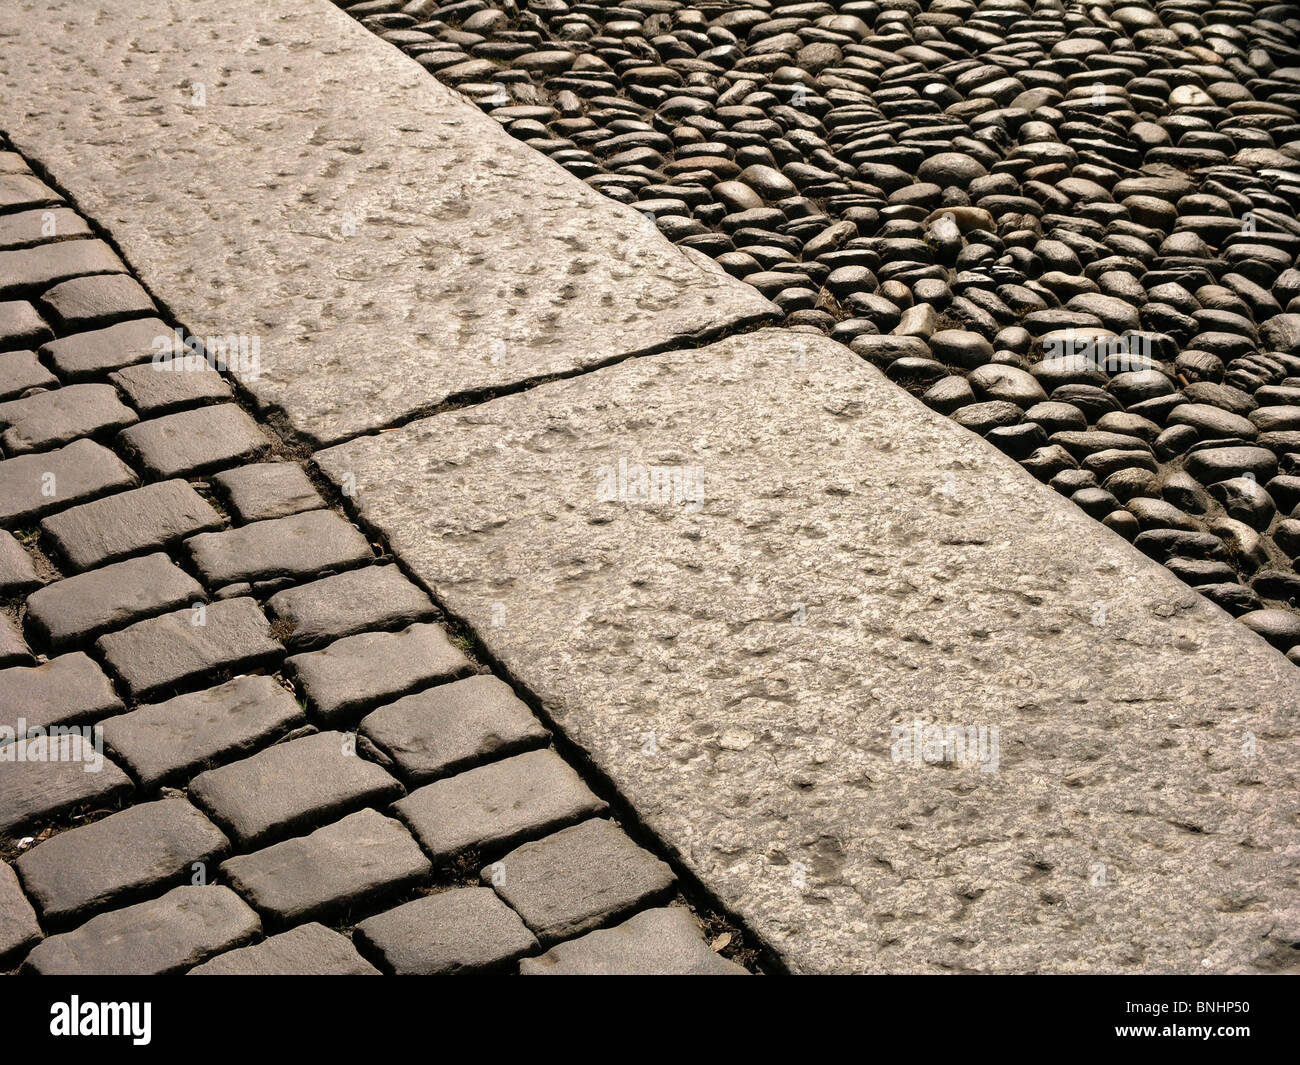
point(497, 805)
point(163, 652)
point(463, 930)
point(577, 879)
point(26, 270)
point(97, 351)
point(91, 603)
point(356, 672)
point(128, 524)
point(13, 648)
point(153, 389)
point(20, 371)
point(166, 935)
point(167, 742)
point(662, 942)
point(375, 597)
point(195, 441)
point(363, 857)
point(308, 950)
point(295, 546)
point(47, 776)
point(40, 225)
point(279, 790)
point(265, 490)
point(17, 571)
point(451, 727)
point(60, 415)
point(19, 930)
point(89, 302)
point(19, 190)
point(21, 326)
point(85, 870)
point(68, 690)
point(34, 485)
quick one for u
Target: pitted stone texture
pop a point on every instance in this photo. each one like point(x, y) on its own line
point(577, 879)
point(34, 485)
point(362, 857)
point(129, 523)
point(59, 416)
point(46, 776)
point(13, 648)
point(296, 546)
point(86, 302)
point(356, 672)
point(27, 270)
point(67, 690)
point(497, 805)
point(77, 873)
point(194, 441)
point(824, 502)
point(175, 648)
point(464, 930)
point(17, 571)
point(267, 490)
point(157, 391)
point(664, 942)
point(166, 935)
point(376, 597)
point(21, 326)
point(31, 227)
point(451, 727)
point(315, 778)
point(18, 926)
point(308, 950)
point(166, 742)
point(21, 370)
point(509, 271)
point(97, 351)
point(90, 603)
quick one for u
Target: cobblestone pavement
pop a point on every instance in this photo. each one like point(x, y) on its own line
point(1070, 227)
point(234, 736)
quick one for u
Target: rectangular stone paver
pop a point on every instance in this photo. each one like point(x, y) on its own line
point(166, 935)
point(21, 370)
point(354, 673)
point(186, 645)
point(376, 597)
point(13, 648)
point(59, 416)
point(308, 950)
point(129, 523)
point(363, 857)
point(21, 326)
point(152, 388)
point(19, 929)
point(39, 224)
point(510, 270)
point(17, 571)
point(167, 742)
point(194, 441)
point(79, 872)
point(96, 351)
point(65, 690)
point(34, 485)
point(296, 546)
point(497, 805)
point(311, 779)
point(464, 930)
point(264, 490)
point(450, 727)
point(43, 777)
point(737, 660)
point(26, 270)
point(88, 604)
point(578, 879)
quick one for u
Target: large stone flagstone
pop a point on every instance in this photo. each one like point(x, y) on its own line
point(275, 172)
point(748, 668)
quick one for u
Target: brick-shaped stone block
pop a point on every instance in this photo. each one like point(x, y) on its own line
point(160, 388)
point(194, 441)
point(34, 485)
point(87, 302)
point(45, 776)
point(296, 546)
point(27, 270)
point(308, 950)
point(265, 490)
point(68, 690)
point(96, 351)
point(20, 371)
point(19, 930)
point(375, 597)
point(48, 419)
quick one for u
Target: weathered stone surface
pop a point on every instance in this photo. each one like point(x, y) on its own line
point(33, 485)
point(194, 441)
point(26, 270)
point(46, 776)
point(362, 857)
point(464, 930)
point(308, 950)
point(451, 727)
point(660, 942)
point(66, 690)
point(356, 672)
point(91, 603)
point(295, 546)
point(59, 416)
point(18, 926)
point(157, 391)
point(86, 302)
point(312, 779)
point(21, 370)
point(166, 935)
point(97, 351)
point(579, 878)
point(13, 648)
point(166, 742)
point(185, 645)
point(497, 805)
point(79, 872)
point(29, 227)
point(464, 270)
point(21, 326)
point(264, 490)
point(17, 571)
point(823, 502)
point(376, 597)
